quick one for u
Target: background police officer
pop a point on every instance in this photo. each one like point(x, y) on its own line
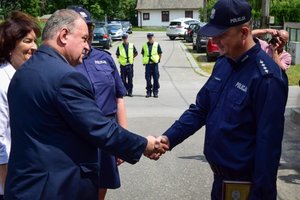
point(151, 57)
point(100, 69)
point(242, 106)
point(126, 52)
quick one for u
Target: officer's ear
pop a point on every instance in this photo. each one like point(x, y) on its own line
point(63, 36)
point(245, 30)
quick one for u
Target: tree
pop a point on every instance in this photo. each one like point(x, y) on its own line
point(30, 6)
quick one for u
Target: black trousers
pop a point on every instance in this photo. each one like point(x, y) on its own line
point(127, 77)
point(152, 72)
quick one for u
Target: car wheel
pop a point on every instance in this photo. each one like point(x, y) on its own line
point(194, 47)
point(107, 46)
point(172, 38)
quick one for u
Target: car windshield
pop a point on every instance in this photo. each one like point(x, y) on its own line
point(125, 24)
point(99, 30)
point(175, 23)
point(114, 26)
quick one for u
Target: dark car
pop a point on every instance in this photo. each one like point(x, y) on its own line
point(199, 41)
point(212, 50)
point(188, 36)
point(127, 26)
point(101, 37)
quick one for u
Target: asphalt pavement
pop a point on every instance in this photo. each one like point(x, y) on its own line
point(183, 173)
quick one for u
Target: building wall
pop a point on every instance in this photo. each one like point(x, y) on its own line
point(156, 19)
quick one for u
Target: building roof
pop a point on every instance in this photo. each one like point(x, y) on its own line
point(168, 4)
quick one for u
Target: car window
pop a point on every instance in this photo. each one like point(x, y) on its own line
point(114, 26)
point(175, 23)
point(100, 30)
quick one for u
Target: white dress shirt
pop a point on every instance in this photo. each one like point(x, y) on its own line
point(6, 73)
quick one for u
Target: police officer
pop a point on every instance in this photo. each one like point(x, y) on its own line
point(100, 69)
point(151, 57)
point(126, 52)
point(242, 106)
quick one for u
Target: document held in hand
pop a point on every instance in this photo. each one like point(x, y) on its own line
point(236, 190)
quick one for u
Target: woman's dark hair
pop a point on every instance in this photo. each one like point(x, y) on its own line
point(13, 29)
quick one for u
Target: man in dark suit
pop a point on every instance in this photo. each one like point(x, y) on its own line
point(56, 126)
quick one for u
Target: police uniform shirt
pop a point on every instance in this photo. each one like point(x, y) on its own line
point(159, 51)
point(242, 105)
point(101, 71)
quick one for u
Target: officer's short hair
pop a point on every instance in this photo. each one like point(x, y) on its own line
point(58, 20)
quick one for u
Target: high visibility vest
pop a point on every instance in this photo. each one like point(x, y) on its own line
point(154, 53)
point(123, 57)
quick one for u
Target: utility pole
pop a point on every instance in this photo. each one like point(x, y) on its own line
point(266, 13)
point(205, 10)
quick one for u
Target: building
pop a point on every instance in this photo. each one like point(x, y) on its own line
point(161, 12)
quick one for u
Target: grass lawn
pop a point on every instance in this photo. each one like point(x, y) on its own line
point(294, 74)
point(149, 29)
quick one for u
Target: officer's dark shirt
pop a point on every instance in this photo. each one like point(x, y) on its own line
point(101, 71)
point(242, 105)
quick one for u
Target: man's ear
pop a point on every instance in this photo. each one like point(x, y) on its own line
point(245, 32)
point(63, 36)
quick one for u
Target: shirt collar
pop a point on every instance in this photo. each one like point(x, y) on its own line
point(246, 56)
point(9, 69)
point(52, 52)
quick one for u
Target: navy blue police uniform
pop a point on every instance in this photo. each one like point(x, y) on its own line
point(242, 106)
point(152, 70)
point(101, 71)
point(127, 71)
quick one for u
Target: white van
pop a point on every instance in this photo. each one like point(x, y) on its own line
point(177, 27)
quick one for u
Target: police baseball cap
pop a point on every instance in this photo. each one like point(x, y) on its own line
point(125, 36)
point(150, 34)
point(226, 14)
point(83, 12)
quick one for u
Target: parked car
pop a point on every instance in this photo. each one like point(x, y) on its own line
point(199, 41)
point(115, 30)
point(101, 37)
point(177, 27)
point(188, 36)
point(212, 50)
point(127, 26)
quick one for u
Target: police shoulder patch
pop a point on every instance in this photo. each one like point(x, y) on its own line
point(99, 49)
point(263, 67)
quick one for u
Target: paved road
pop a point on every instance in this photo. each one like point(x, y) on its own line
point(182, 174)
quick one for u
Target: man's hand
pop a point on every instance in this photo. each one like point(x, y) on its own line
point(155, 147)
point(161, 145)
point(119, 161)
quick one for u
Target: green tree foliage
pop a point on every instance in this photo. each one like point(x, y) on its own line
point(285, 10)
point(209, 6)
point(30, 6)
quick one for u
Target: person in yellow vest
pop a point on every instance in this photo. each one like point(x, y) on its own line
point(126, 52)
point(151, 57)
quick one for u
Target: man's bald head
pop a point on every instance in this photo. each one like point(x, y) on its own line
point(283, 35)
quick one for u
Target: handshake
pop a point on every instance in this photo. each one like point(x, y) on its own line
point(156, 146)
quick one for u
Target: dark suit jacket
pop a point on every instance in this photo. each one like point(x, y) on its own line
point(56, 128)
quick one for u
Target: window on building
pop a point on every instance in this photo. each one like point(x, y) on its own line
point(146, 16)
point(165, 17)
point(189, 13)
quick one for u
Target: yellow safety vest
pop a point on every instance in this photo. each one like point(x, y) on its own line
point(154, 53)
point(123, 57)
